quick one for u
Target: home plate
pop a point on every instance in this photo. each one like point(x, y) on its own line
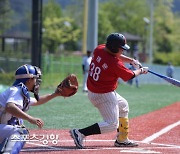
point(138, 150)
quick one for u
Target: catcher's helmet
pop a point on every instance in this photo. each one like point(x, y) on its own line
point(115, 41)
point(25, 72)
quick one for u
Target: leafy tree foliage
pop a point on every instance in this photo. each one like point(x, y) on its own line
point(176, 34)
point(104, 26)
point(125, 16)
point(51, 10)
point(166, 33)
point(57, 29)
point(164, 21)
point(164, 58)
point(5, 16)
point(75, 11)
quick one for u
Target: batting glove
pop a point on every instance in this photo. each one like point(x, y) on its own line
point(144, 70)
point(136, 64)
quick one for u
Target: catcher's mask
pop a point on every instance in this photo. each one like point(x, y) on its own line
point(115, 41)
point(25, 72)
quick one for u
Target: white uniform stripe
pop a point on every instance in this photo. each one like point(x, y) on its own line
point(26, 69)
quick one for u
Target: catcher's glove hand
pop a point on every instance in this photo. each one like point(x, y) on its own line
point(68, 86)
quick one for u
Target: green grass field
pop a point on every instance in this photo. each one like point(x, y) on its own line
point(77, 111)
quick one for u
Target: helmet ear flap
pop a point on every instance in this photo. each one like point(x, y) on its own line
point(112, 47)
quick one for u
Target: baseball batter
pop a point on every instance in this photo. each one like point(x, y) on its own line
point(14, 102)
point(85, 68)
point(106, 67)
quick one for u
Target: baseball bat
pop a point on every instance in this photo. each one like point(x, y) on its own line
point(168, 79)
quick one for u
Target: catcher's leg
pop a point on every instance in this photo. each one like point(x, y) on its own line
point(14, 141)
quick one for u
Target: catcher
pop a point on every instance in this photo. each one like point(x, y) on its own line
point(16, 100)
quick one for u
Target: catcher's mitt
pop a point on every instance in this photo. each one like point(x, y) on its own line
point(68, 86)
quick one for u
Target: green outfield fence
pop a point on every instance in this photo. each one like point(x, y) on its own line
point(56, 68)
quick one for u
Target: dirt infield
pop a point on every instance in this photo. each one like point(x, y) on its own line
point(156, 132)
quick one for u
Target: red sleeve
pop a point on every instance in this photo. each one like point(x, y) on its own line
point(123, 72)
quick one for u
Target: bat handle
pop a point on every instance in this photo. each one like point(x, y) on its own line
point(150, 71)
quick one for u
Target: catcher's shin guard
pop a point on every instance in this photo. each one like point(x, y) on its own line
point(3, 145)
point(15, 142)
point(123, 129)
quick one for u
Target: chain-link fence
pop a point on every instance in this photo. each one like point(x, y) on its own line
point(55, 69)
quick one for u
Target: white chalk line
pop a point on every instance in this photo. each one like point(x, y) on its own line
point(145, 141)
point(143, 150)
point(161, 132)
point(71, 141)
point(121, 149)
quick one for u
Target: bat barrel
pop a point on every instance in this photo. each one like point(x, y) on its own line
point(168, 79)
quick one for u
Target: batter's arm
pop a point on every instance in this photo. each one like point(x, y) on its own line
point(126, 59)
point(136, 64)
point(143, 70)
point(137, 72)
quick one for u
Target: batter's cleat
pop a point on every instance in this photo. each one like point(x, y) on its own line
point(127, 143)
point(78, 138)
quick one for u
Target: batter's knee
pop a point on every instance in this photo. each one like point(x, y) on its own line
point(123, 108)
point(106, 127)
point(114, 126)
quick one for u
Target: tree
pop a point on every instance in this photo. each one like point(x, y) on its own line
point(51, 10)
point(176, 34)
point(167, 33)
point(5, 16)
point(57, 29)
point(75, 11)
point(164, 21)
point(104, 26)
point(126, 16)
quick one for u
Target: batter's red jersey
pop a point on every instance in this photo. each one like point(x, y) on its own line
point(105, 69)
